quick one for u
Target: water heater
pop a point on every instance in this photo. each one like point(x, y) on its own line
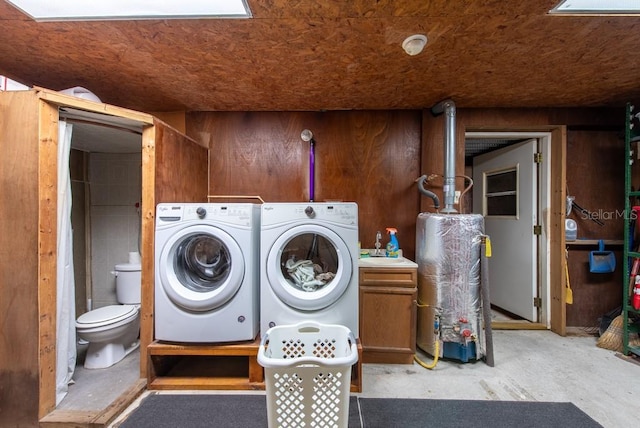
point(449, 299)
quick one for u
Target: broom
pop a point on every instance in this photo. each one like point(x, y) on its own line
point(612, 338)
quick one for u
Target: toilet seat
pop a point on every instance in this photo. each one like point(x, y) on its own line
point(106, 315)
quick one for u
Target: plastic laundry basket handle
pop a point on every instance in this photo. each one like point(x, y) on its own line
point(308, 327)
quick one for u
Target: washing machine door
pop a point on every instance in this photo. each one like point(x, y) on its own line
point(309, 267)
point(201, 268)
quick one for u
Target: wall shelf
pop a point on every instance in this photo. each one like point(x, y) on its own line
point(594, 242)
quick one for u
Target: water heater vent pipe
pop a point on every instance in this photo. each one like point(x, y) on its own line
point(449, 189)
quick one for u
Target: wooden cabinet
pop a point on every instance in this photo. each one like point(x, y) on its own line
point(388, 314)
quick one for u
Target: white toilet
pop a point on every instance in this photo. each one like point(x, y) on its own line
point(113, 331)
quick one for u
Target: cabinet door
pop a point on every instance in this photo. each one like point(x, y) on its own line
point(387, 324)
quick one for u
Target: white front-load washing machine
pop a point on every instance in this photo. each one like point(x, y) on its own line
point(206, 264)
point(309, 264)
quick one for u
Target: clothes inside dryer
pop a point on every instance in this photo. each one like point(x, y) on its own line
point(202, 262)
point(309, 262)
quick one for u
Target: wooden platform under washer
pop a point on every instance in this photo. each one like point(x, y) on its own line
point(232, 366)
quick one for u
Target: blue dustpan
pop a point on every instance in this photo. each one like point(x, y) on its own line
point(602, 261)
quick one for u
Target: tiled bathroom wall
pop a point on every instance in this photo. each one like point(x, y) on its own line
point(115, 194)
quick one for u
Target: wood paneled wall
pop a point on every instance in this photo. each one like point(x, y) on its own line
point(595, 176)
point(19, 233)
point(368, 157)
point(180, 166)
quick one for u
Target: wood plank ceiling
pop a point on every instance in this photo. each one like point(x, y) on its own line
point(333, 55)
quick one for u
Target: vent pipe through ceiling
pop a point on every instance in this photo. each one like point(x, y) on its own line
point(448, 107)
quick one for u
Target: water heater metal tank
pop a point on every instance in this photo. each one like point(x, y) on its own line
point(449, 300)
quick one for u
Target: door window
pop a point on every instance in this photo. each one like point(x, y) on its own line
point(501, 195)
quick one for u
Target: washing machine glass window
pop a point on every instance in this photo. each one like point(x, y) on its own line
point(309, 267)
point(202, 262)
point(201, 268)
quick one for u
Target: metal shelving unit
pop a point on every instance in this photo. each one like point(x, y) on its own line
point(629, 251)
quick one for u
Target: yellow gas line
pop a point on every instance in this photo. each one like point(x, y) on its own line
point(435, 358)
point(431, 365)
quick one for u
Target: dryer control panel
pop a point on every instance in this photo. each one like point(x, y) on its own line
point(169, 213)
point(345, 213)
point(235, 214)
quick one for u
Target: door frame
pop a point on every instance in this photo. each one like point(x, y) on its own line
point(544, 211)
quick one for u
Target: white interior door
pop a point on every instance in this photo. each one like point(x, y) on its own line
point(506, 193)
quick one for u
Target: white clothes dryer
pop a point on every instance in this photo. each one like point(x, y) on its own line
point(309, 264)
point(206, 272)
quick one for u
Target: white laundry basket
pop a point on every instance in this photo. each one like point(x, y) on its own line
point(308, 374)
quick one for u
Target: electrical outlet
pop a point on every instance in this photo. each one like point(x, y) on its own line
point(456, 197)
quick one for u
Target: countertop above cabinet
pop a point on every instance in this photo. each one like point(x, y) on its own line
point(386, 262)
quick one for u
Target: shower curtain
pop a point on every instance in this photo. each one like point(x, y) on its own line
point(66, 307)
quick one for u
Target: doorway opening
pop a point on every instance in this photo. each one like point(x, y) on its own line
point(105, 166)
point(514, 197)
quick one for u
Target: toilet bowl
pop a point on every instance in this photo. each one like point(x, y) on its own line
point(113, 331)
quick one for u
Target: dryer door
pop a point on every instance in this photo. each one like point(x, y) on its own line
point(309, 267)
point(201, 268)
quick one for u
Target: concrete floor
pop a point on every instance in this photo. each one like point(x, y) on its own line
point(530, 365)
point(95, 390)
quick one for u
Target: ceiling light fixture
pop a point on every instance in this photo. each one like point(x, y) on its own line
point(413, 45)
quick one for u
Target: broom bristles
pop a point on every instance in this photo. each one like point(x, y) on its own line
point(611, 339)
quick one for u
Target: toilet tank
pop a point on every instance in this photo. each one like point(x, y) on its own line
point(128, 283)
